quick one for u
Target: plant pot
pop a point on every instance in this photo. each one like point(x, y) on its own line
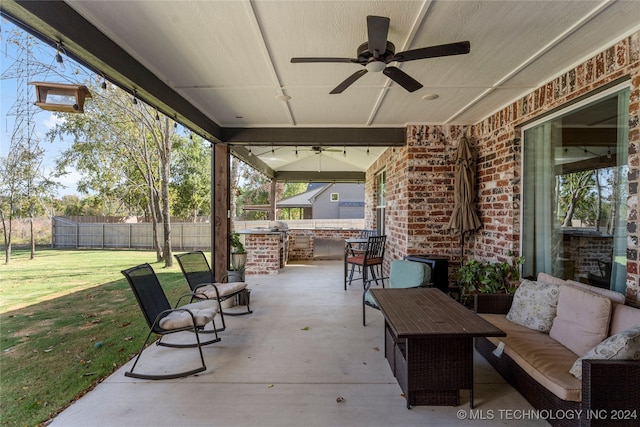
point(238, 261)
point(235, 276)
point(228, 303)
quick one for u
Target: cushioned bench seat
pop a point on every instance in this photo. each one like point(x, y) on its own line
point(543, 358)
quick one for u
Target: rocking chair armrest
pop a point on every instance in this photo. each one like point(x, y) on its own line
point(201, 285)
point(191, 295)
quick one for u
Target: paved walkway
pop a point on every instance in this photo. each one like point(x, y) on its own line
point(288, 364)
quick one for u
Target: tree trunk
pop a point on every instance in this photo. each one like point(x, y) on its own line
point(599, 197)
point(165, 166)
point(32, 239)
point(7, 236)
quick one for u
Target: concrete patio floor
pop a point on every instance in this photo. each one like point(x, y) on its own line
point(286, 365)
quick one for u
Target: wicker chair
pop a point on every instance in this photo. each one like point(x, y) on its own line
point(404, 274)
point(164, 320)
point(199, 276)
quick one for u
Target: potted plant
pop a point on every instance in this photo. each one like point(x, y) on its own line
point(238, 259)
point(486, 277)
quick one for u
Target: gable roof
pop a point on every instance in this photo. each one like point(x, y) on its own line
point(302, 200)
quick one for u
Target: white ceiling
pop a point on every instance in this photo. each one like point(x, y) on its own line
point(231, 59)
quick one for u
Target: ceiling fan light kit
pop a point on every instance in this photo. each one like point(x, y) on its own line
point(378, 52)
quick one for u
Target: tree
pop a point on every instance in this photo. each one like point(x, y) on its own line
point(573, 188)
point(24, 183)
point(191, 178)
point(123, 148)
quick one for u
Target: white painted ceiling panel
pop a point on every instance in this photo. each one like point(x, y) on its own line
point(230, 106)
point(315, 106)
point(615, 20)
point(396, 106)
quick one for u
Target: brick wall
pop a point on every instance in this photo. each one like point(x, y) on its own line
point(420, 196)
point(263, 253)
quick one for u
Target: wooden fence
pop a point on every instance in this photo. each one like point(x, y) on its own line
point(184, 235)
point(70, 234)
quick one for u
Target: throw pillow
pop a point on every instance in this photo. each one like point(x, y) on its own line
point(622, 346)
point(582, 321)
point(534, 305)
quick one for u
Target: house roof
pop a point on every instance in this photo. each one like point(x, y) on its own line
point(302, 200)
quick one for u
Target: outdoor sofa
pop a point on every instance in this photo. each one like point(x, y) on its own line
point(571, 350)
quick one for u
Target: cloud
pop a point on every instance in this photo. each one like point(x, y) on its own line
point(51, 121)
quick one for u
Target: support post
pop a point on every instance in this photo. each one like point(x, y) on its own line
point(220, 215)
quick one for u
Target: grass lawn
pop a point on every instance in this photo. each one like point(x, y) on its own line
point(68, 319)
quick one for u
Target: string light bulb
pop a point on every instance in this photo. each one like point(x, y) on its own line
point(59, 59)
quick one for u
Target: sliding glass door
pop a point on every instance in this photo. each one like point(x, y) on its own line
point(575, 190)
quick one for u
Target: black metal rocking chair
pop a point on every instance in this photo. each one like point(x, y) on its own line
point(164, 320)
point(199, 276)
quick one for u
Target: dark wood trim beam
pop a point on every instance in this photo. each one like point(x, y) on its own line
point(579, 137)
point(301, 136)
point(56, 22)
point(253, 161)
point(587, 164)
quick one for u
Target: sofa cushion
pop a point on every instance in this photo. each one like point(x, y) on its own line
point(623, 317)
point(541, 357)
point(534, 305)
point(582, 320)
point(614, 296)
point(407, 274)
point(622, 346)
point(224, 289)
point(547, 278)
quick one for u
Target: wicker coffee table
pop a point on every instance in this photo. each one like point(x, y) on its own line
point(429, 343)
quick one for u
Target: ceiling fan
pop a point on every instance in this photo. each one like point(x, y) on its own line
point(377, 52)
point(319, 149)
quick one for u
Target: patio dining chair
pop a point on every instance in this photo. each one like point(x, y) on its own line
point(164, 320)
point(366, 261)
point(199, 276)
point(403, 274)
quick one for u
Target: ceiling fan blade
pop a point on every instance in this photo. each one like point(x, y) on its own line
point(402, 78)
point(349, 81)
point(458, 48)
point(306, 60)
point(377, 29)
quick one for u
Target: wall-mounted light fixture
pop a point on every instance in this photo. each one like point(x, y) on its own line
point(66, 98)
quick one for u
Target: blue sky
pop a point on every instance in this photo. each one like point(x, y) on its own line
point(45, 120)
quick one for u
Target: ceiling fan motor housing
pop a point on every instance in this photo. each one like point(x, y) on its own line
point(365, 56)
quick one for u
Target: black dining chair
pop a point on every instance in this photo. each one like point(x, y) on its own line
point(367, 261)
